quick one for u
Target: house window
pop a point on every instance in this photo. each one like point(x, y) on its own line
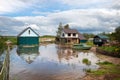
point(74, 34)
point(29, 31)
point(69, 34)
point(63, 34)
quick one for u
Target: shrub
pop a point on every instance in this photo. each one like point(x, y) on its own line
point(113, 49)
point(86, 61)
point(105, 63)
point(88, 70)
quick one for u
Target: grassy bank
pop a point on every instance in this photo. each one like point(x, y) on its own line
point(47, 36)
point(47, 39)
point(13, 39)
point(113, 49)
point(2, 44)
point(90, 43)
point(3, 39)
point(107, 70)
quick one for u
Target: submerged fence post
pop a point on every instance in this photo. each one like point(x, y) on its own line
point(8, 43)
point(8, 62)
point(4, 74)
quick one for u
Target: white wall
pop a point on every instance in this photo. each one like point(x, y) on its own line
point(26, 33)
point(66, 35)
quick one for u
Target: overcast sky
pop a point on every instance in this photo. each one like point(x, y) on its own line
point(87, 16)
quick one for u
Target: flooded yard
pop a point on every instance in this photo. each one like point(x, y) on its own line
point(50, 62)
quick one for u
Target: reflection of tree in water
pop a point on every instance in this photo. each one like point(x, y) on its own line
point(28, 54)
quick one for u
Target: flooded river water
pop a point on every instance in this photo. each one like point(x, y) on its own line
point(49, 62)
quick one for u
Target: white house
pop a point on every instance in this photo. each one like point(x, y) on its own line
point(71, 36)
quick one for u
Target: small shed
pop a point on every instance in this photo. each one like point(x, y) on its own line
point(100, 40)
point(28, 37)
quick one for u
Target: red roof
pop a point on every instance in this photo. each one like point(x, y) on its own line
point(70, 30)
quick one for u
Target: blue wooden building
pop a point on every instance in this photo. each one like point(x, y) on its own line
point(100, 40)
point(28, 37)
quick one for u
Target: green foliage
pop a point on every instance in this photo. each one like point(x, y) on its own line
point(12, 39)
point(105, 63)
point(105, 68)
point(47, 36)
point(113, 49)
point(99, 72)
point(86, 61)
point(3, 39)
point(59, 31)
point(87, 36)
point(66, 26)
point(90, 43)
point(2, 43)
point(116, 34)
point(88, 70)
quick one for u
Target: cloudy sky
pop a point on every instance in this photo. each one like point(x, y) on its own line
point(87, 16)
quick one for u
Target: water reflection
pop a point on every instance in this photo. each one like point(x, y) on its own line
point(76, 58)
point(66, 54)
point(28, 53)
point(53, 63)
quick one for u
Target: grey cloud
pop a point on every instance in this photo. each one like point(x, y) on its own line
point(115, 4)
point(8, 25)
point(87, 20)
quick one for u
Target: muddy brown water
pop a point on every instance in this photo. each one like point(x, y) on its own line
point(49, 62)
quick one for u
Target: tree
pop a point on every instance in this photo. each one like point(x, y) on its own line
point(87, 36)
point(59, 30)
point(66, 26)
point(116, 34)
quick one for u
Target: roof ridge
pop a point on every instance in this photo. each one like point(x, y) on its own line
point(70, 30)
point(27, 29)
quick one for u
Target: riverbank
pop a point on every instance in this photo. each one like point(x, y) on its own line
point(107, 71)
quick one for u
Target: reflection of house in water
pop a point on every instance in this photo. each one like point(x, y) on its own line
point(29, 54)
point(66, 54)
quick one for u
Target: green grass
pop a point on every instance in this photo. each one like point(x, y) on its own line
point(111, 48)
point(13, 40)
point(47, 36)
point(2, 44)
point(86, 61)
point(105, 63)
point(88, 70)
point(90, 43)
point(106, 68)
